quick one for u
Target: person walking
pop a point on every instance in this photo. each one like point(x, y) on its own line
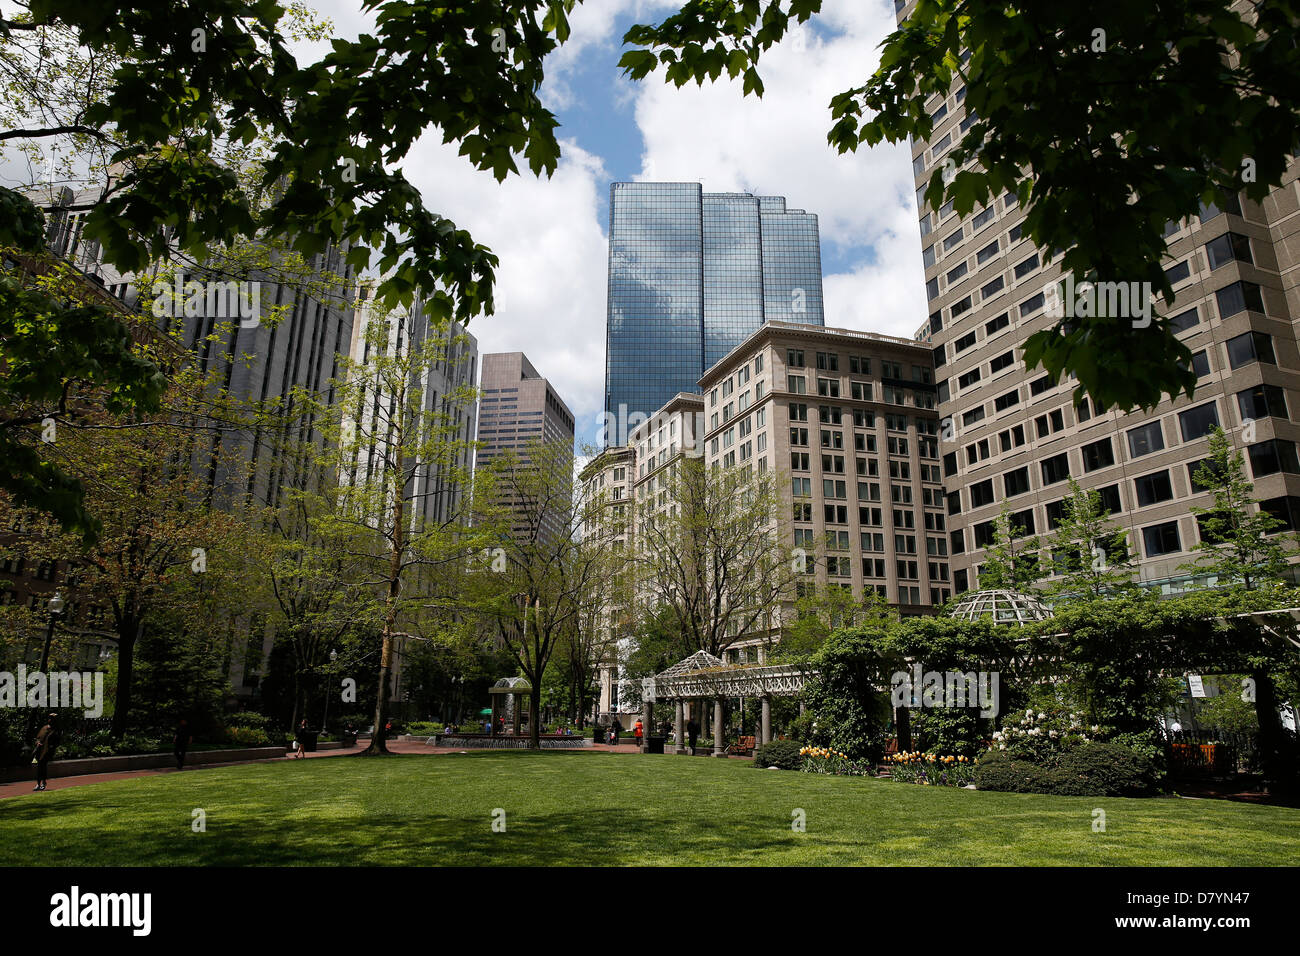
point(637, 730)
point(181, 742)
point(47, 739)
point(300, 740)
point(615, 729)
point(692, 734)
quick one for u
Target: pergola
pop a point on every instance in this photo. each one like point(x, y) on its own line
point(703, 677)
point(516, 688)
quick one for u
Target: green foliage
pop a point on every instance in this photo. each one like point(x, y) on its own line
point(1239, 541)
point(782, 754)
point(851, 709)
point(1207, 124)
point(1092, 769)
point(959, 731)
point(1011, 564)
point(1088, 551)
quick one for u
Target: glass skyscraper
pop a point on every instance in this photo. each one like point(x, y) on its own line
point(691, 274)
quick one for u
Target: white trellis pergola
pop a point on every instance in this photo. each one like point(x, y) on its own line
point(703, 677)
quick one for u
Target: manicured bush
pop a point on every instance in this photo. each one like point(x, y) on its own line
point(424, 728)
point(1089, 770)
point(1111, 770)
point(782, 754)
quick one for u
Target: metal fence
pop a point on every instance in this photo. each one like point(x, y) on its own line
point(1204, 753)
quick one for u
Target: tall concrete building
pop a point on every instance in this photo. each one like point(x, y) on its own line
point(847, 422)
point(1017, 435)
point(691, 274)
point(518, 407)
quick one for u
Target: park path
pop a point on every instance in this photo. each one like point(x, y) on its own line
point(23, 787)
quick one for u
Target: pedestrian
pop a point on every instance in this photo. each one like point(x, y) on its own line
point(692, 734)
point(637, 730)
point(300, 740)
point(615, 729)
point(47, 739)
point(180, 742)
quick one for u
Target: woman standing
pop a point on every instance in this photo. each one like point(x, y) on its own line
point(300, 740)
point(47, 739)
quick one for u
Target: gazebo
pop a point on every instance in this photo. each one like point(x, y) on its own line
point(510, 691)
point(1002, 607)
point(703, 676)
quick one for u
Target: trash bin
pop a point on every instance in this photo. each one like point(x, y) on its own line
point(309, 741)
point(347, 739)
point(655, 745)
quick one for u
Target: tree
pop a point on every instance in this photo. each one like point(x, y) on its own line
point(712, 554)
point(1088, 551)
point(1239, 540)
point(1008, 566)
point(1100, 172)
point(168, 96)
point(553, 576)
point(819, 614)
point(384, 440)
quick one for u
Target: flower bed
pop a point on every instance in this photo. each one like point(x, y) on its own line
point(932, 770)
point(833, 762)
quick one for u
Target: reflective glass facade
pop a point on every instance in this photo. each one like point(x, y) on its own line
point(691, 274)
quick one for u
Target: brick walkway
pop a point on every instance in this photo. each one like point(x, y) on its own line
point(22, 787)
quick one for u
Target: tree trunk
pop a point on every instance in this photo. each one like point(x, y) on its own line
point(1277, 757)
point(377, 742)
point(903, 729)
point(535, 715)
point(126, 638)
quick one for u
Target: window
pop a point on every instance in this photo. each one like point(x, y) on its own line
point(1097, 455)
point(952, 240)
point(965, 342)
point(1109, 499)
point(985, 215)
point(1003, 402)
point(1056, 468)
point(1239, 297)
point(1185, 320)
point(969, 379)
point(1002, 361)
point(1228, 247)
point(1199, 421)
point(1262, 401)
point(1201, 363)
point(955, 274)
point(927, 256)
point(1195, 469)
point(1178, 272)
point(1153, 489)
point(1272, 456)
point(987, 253)
point(1161, 539)
point(1016, 482)
point(981, 493)
point(1285, 509)
point(1031, 305)
point(974, 415)
point(1250, 347)
point(1041, 384)
point(997, 324)
point(794, 358)
point(1229, 203)
point(961, 307)
point(1145, 439)
point(990, 289)
point(1027, 266)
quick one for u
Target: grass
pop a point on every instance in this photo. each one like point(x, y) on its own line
point(604, 809)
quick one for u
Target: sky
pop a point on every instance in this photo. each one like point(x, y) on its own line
point(551, 234)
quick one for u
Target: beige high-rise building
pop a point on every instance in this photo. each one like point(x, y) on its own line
point(1016, 436)
point(847, 422)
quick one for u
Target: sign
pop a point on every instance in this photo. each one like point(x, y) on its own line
point(1196, 684)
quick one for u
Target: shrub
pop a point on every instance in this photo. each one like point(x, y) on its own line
point(1042, 737)
point(1111, 770)
point(248, 718)
point(782, 754)
point(1090, 770)
point(247, 736)
point(424, 728)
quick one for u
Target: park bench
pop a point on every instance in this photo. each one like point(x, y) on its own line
point(743, 747)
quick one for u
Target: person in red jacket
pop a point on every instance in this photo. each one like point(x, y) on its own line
point(637, 729)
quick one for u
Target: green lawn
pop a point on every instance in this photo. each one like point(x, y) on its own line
point(580, 809)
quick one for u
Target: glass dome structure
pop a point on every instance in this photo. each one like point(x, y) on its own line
point(1002, 607)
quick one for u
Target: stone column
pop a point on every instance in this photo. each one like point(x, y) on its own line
point(679, 726)
point(647, 721)
point(766, 737)
point(802, 706)
point(496, 704)
point(514, 713)
point(718, 748)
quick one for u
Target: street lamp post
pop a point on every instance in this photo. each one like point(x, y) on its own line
point(56, 608)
